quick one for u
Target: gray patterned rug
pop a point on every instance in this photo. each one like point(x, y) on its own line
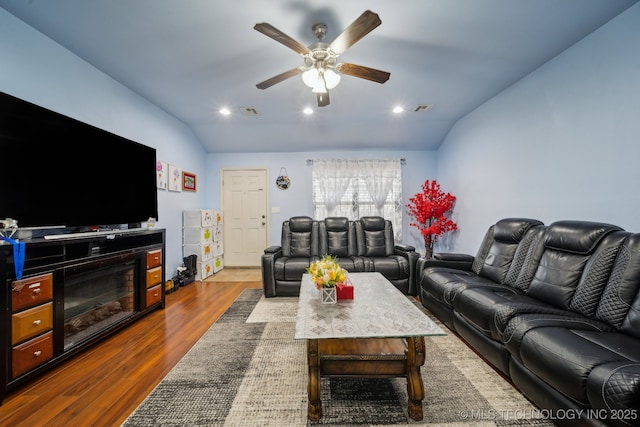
point(247, 370)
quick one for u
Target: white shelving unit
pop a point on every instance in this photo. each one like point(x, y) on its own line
point(218, 262)
point(202, 236)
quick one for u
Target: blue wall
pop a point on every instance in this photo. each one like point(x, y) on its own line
point(562, 143)
point(40, 71)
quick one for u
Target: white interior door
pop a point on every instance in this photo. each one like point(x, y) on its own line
point(244, 206)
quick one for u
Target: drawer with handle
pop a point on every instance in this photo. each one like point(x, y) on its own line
point(30, 354)
point(29, 323)
point(31, 291)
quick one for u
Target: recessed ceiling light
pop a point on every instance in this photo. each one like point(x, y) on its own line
point(225, 111)
point(308, 110)
point(398, 109)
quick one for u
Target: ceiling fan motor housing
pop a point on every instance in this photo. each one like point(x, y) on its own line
point(319, 30)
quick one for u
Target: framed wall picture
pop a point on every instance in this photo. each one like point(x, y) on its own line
point(161, 174)
point(175, 174)
point(188, 181)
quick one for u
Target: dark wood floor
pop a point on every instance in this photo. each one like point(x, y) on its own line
point(104, 384)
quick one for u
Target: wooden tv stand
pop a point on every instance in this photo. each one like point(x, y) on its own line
point(73, 293)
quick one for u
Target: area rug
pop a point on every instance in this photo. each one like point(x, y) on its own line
point(248, 370)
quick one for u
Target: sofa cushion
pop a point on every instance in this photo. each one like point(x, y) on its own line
point(288, 269)
point(579, 237)
point(507, 235)
point(476, 305)
point(483, 250)
point(298, 234)
point(374, 236)
point(337, 237)
point(620, 302)
point(569, 246)
point(392, 267)
point(514, 330)
point(374, 243)
point(564, 358)
point(443, 284)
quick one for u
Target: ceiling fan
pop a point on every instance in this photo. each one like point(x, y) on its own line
point(322, 70)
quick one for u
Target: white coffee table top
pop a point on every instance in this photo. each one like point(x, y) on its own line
point(378, 310)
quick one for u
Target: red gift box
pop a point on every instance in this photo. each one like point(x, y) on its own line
point(344, 291)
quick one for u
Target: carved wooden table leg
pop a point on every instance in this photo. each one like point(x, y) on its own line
point(314, 407)
point(415, 387)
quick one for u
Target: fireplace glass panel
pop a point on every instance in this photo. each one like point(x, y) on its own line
point(97, 299)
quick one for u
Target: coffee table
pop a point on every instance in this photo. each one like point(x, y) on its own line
point(378, 334)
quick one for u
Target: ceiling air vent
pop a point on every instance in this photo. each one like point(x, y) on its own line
point(423, 108)
point(249, 111)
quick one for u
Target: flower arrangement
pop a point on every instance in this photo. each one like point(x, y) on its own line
point(428, 208)
point(326, 272)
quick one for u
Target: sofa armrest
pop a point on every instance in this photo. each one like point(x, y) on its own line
point(449, 260)
point(268, 270)
point(409, 252)
point(613, 390)
point(404, 248)
point(449, 256)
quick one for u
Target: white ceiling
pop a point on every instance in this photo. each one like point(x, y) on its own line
point(191, 57)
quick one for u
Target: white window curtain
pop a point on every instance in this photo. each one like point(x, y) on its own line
point(379, 176)
point(357, 188)
point(331, 180)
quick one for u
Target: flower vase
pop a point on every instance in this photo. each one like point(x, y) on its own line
point(428, 246)
point(328, 295)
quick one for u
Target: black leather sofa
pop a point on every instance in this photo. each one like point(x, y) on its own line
point(363, 245)
point(555, 308)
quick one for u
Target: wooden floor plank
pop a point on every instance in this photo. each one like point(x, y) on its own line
point(102, 385)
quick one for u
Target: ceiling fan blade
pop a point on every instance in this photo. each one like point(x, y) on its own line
point(279, 78)
point(271, 31)
point(363, 72)
point(359, 28)
point(323, 99)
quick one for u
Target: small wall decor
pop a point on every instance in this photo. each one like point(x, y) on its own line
point(161, 175)
point(188, 181)
point(282, 181)
point(175, 178)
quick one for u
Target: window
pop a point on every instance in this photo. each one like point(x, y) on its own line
point(357, 188)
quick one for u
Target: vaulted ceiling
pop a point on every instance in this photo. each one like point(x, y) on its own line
point(193, 57)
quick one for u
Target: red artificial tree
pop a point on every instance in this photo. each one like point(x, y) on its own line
point(428, 209)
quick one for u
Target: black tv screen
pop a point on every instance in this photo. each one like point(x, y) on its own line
point(59, 172)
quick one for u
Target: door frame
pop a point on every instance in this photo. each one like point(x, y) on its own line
point(267, 197)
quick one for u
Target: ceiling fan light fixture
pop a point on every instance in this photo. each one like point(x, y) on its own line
point(331, 78)
point(320, 81)
point(310, 77)
point(320, 86)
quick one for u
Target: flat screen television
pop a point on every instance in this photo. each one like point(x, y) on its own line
point(58, 172)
